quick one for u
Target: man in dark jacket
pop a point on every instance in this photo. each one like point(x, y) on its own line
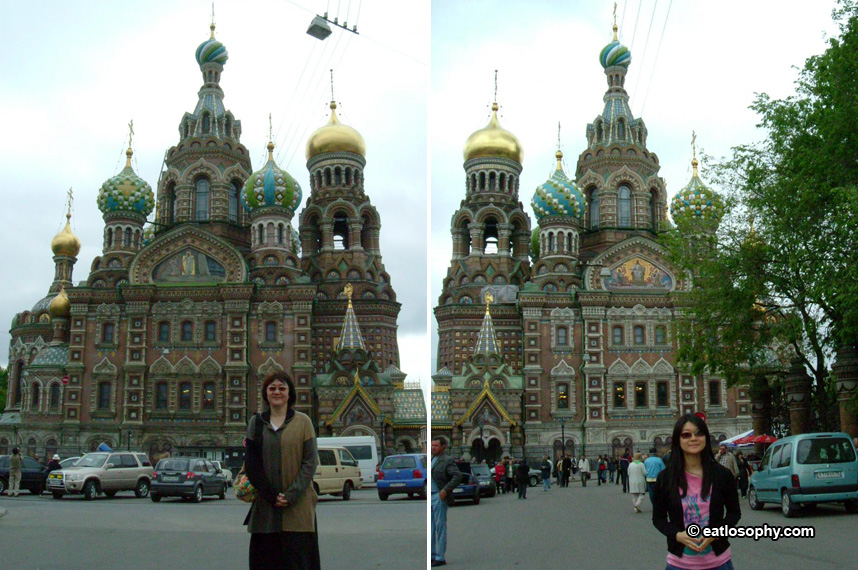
point(565, 470)
point(522, 478)
point(445, 477)
point(623, 471)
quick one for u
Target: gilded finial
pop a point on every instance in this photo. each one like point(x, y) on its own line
point(332, 85)
point(129, 152)
point(615, 21)
point(496, 88)
point(694, 162)
point(357, 377)
point(489, 300)
point(559, 154)
point(270, 139)
point(213, 22)
point(69, 203)
point(348, 291)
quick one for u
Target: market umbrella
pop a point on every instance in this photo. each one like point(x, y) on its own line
point(756, 439)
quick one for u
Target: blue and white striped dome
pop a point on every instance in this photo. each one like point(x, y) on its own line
point(558, 196)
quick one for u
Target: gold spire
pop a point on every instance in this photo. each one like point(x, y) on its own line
point(335, 137)
point(212, 27)
point(129, 152)
point(270, 139)
point(489, 300)
point(615, 22)
point(348, 291)
point(559, 154)
point(493, 140)
point(357, 377)
point(65, 242)
point(694, 152)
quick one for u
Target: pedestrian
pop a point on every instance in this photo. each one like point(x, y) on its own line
point(623, 471)
point(654, 465)
point(280, 466)
point(546, 473)
point(744, 472)
point(510, 475)
point(584, 468)
point(612, 467)
point(54, 463)
point(500, 475)
point(726, 459)
point(565, 470)
point(637, 481)
point(445, 477)
point(695, 490)
point(15, 472)
point(602, 470)
point(522, 478)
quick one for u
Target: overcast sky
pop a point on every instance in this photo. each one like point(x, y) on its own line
point(74, 74)
point(694, 66)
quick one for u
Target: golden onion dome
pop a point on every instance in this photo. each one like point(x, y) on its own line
point(335, 137)
point(493, 141)
point(65, 242)
point(60, 306)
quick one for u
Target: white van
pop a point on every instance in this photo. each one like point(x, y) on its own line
point(337, 473)
point(363, 449)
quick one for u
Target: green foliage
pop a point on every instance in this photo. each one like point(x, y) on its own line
point(782, 269)
point(4, 387)
point(534, 245)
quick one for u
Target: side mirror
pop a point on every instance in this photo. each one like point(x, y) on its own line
point(218, 470)
point(109, 466)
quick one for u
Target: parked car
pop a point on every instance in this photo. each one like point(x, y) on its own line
point(68, 462)
point(804, 470)
point(485, 479)
point(226, 472)
point(469, 488)
point(191, 478)
point(402, 474)
point(33, 474)
point(103, 472)
point(337, 474)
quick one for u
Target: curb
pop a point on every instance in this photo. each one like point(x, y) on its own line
point(2, 512)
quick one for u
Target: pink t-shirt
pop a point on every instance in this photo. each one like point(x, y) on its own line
point(696, 511)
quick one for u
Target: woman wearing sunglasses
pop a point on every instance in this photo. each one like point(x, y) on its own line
point(694, 492)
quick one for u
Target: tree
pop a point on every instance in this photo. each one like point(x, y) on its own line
point(782, 269)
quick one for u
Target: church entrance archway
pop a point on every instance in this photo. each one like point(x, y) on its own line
point(619, 446)
point(489, 453)
point(558, 449)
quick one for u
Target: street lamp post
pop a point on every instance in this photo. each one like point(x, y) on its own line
point(382, 417)
point(482, 456)
point(563, 437)
point(129, 440)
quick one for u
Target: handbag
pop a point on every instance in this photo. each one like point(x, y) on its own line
point(243, 489)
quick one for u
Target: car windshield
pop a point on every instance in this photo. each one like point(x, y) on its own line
point(401, 462)
point(172, 465)
point(825, 450)
point(92, 460)
point(480, 469)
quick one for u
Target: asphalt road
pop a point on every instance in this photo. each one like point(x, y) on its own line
point(596, 528)
point(124, 532)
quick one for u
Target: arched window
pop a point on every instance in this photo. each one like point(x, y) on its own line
point(209, 396)
point(327, 177)
point(55, 396)
point(473, 182)
point(492, 181)
point(617, 335)
point(172, 203)
point(127, 237)
point(640, 338)
point(502, 181)
point(107, 332)
point(206, 124)
point(34, 403)
point(211, 331)
point(348, 176)
point(660, 335)
point(562, 336)
point(201, 200)
point(619, 394)
point(624, 207)
point(338, 176)
point(163, 332)
point(280, 234)
point(341, 231)
point(482, 180)
point(161, 394)
point(640, 395)
point(270, 331)
point(563, 396)
point(593, 199)
point(490, 236)
point(621, 130)
point(109, 237)
point(104, 395)
point(185, 396)
point(568, 243)
point(19, 382)
point(187, 331)
point(234, 190)
point(551, 242)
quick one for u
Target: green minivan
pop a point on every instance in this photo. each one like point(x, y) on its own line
point(806, 469)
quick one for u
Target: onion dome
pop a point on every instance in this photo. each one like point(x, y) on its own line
point(65, 242)
point(60, 306)
point(211, 51)
point(271, 186)
point(126, 192)
point(558, 196)
point(335, 137)
point(493, 141)
point(615, 53)
point(696, 202)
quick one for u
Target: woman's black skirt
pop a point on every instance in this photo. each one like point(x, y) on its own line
point(284, 551)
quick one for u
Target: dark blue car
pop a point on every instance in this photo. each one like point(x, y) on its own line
point(469, 488)
point(33, 475)
point(402, 474)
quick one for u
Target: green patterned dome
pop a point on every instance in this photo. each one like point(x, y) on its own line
point(211, 51)
point(696, 202)
point(126, 192)
point(271, 186)
point(615, 53)
point(558, 196)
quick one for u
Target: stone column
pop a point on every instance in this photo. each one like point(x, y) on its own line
point(845, 369)
point(327, 235)
point(476, 238)
point(504, 234)
point(355, 226)
point(761, 399)
point(797, 387)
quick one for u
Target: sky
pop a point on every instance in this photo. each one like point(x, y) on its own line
point(695, 66)
point(75, 73)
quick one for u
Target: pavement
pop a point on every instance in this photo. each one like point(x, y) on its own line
point(596, 527)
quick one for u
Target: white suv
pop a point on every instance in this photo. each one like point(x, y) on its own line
point(103, 472)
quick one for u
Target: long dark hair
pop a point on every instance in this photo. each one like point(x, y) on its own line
point(676, 466)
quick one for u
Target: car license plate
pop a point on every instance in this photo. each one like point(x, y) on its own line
point(168, 479)
point(55, 483)
point(829, 474)
point(397, 484)
point(458, 490)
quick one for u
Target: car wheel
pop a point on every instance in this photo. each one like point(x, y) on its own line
point(753, 501)
point(90, 491)
point(347, 490)
point(155, 498)
point(198, 494)
point(477, 498)
point(493, 492)
point(57, 494)
point(852, 506)
point(110, 494)
point(222, 494)
point(534, 481)
point(788, 508)
point(3, 485)
point(382, 495)
point(141, 491)
point(316, 489)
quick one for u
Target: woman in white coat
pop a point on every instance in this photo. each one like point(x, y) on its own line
point(637, 481)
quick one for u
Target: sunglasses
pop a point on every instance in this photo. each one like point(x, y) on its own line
point(278, 388)
point(689, 435)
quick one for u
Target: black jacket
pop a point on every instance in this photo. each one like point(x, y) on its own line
point(446, 475)
point(723, 509)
